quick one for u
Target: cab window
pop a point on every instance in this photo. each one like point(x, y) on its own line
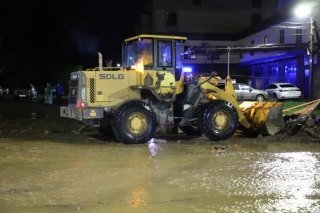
point(164, 54)
point(138, 53)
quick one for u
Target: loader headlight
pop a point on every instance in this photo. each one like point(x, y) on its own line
point(74, 76)
point(83, 94)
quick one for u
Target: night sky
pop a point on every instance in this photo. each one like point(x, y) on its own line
point(65, 31)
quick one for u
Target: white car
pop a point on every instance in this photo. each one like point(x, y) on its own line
point(281, 91)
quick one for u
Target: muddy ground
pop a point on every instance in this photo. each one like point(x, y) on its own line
point(45, 167)
point(26, 119)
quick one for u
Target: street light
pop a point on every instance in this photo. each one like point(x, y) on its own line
point(302, 10)
point(313, 46)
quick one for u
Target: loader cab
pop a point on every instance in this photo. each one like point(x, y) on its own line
point(153, 52)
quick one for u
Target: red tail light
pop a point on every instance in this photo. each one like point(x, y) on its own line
point(80, 104)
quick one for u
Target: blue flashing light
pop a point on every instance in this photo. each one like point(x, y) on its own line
point(187, 69)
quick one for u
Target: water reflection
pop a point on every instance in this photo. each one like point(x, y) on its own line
point(287, 179)
point(153, 147)
point(187, 176)
point(138, 196)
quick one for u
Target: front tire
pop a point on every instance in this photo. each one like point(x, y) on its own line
point(134, 123)
point(218, 120)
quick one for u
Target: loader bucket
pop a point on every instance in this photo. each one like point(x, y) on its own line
point(265, 117)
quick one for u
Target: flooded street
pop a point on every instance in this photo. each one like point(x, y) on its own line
point(45, 167)
point(192, 175)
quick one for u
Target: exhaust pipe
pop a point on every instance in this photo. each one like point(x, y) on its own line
point(100, 61)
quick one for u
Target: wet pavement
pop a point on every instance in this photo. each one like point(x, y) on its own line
point(44, 167)
point(187, 175)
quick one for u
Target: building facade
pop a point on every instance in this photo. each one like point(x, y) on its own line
point(232, 23)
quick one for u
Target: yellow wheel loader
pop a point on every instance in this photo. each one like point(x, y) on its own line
point(151, 90)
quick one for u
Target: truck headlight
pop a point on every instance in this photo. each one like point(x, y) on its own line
point(83, 94)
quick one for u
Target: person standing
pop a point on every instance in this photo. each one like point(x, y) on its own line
point(48, 94)
point(59, 93)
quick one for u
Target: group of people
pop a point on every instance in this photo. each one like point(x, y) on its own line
point(59, 93)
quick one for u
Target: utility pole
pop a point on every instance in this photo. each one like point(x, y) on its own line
point(310, 49)
point(313, 46)
point(313, 49)
point(228, 61)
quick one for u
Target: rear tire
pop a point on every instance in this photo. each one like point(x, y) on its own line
point(260, 98)
point(191, 130)
point(218, 120)
point(134, 123)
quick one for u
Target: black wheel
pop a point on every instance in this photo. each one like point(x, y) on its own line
point(260, 98)
point(274, 96)
point(190, 130)
point(218, 120)
point(134, 123)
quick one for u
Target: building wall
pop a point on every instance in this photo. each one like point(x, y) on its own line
point(221, 16)
point(291, 67)
point(211, 17)
point(289, 27)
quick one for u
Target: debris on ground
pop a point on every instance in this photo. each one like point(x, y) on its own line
point(40, 119)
